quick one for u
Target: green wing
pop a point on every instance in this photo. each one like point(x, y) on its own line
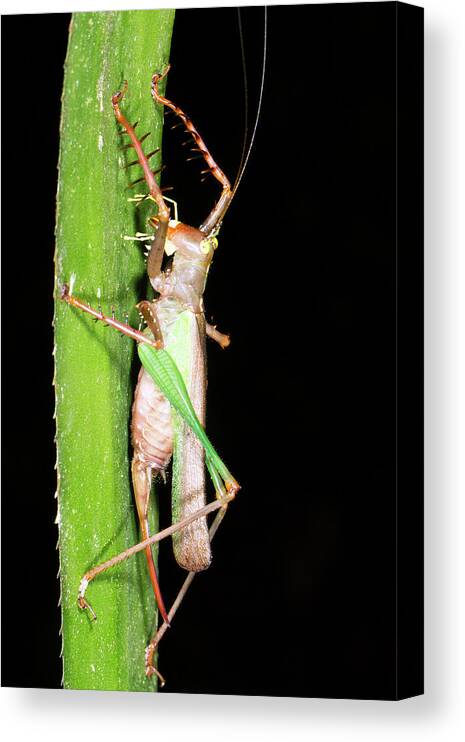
point(167, 376)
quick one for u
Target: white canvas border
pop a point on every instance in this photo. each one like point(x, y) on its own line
point(58, 715)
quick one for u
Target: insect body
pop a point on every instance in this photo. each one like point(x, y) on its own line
point(169, 403)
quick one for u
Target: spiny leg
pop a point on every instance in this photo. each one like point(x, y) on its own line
point(124, 328)
point(213, 220)
point(155, 257)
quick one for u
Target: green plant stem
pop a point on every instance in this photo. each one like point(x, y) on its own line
point(95, 369)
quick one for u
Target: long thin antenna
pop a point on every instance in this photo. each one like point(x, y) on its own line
point(246, 95)
point(262, 86)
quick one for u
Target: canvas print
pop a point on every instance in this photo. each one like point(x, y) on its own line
point(218, 299)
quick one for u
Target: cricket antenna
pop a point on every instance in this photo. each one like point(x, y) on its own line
point(247, 150)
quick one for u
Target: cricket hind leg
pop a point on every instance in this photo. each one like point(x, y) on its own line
point(127, 553)
point(213, 220)
point(142, 483)
point(221, 495)
point(150, 668)
point(155, 256)
point(142, 480)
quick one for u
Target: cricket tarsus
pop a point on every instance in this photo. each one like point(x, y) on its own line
point(85, 606)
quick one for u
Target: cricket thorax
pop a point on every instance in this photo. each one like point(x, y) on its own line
point(192, 254)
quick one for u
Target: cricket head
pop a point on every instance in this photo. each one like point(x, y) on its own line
point(192, 251)
point(190, 243)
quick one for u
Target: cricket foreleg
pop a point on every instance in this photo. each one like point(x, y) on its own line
point(155, 257)
point(213, 220)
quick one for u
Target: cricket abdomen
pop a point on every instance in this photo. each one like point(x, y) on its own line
point(151, 427)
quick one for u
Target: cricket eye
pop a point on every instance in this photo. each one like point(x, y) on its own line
point(209, 243)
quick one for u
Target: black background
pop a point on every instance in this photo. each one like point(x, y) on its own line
point(301, 599)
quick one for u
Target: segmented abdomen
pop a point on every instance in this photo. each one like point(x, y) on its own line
point(151, 427)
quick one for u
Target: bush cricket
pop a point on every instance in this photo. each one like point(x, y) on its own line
point(169, 402)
